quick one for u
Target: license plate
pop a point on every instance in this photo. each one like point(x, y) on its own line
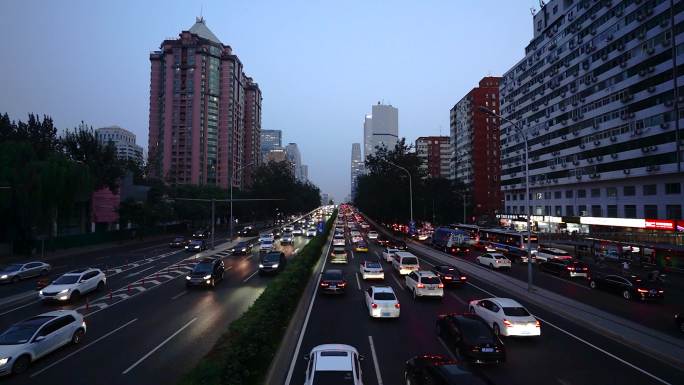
point(333, 286)
point(487, 350)
point(431, 288)
point(385, 314)
point(525, 332)
point(653, 291)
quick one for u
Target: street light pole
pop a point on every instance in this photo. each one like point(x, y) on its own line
point(520, 132)
point(213, 222)
point(232, 174)
point(410, 186)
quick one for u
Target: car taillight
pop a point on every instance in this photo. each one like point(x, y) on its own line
point(441, 285)
point(585, 269)
point(396, 305)
point(507, 323)
point(324, 284)
point(342, 284)
point(463, 278)
point(374, 305)
point(420, 286)
point(537, 323)
point(447, 277)
point(642, 290)
point(570, 268)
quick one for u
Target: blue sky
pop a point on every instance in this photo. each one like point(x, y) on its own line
point(320, 64)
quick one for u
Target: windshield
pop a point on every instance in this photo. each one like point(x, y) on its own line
point(332, 275)
point(203, 267)
point(475, 332)
point(409, 261)
point(66, 280)
point(384, 296)
point(516, 311)
point(10, 268)
point(373, 265)
point(338, 250)
point(275, 257)
point(333, 377)
point(430, 280)
point(18, 334)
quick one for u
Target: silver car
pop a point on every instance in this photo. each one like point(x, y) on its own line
point(28, 340)
point(19, 271)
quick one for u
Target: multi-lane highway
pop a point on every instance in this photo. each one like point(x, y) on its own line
point(153, 329)
point(566, 352)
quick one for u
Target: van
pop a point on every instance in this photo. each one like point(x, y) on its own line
point(405, 262)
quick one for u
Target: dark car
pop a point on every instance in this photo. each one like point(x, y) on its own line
point(568, 268)
point(450, 275)
point(201, 234)
point(277, 233)
point(196, 245)
point(207, 272)
point(333, 282)
point(679, 321)
point(242, 248)
point(178, 242)
point(435, 369)
point(471, 338)
point(382, 241)
point(399, 245)
point(248, 231)
point(272, 262)
point(629, 287)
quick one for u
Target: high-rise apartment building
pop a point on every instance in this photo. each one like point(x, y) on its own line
point(295, 158)
point(356, 166)
point(304, 173)
point(381, 128)
point(475, 146)
point(251, 151)
point(596, 96)
point(367, 135)
point(197, 111)
point(434, 153)
point(276, 155)
point(270, 140)
point(123, 140)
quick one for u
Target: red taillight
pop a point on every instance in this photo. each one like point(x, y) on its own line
point(420, 286)
point(374, 305)
point(507, 323)
point(441, 285)
point(342, 284)
point(570, 268)
point(447, 277)
point(324, 284)
point(396, 305)
point(463, 278)
point(537, 323)
point(642, 290)
point(585, 269)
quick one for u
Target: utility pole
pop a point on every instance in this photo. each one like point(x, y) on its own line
point(232, 174)
point(213, 222)
point(410, 186)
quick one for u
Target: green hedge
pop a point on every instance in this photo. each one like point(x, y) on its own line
point(243, 355)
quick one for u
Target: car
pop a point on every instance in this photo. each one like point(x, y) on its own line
point(247, 231)
point(423, 283)
point(364, 225)
point(382, 241)
point(371, 270)
point(201, 234)
point(241, 248)
point(311, 232)
point(388, 254)
point(568, 268)
point(405, 262)
point(396, 244)
point(178, 243)
point(265, 245)
point(381, 302)
point(18, 271)
point(450, 275)
point(506, 317)
point(272, 262)
point(546, 253)
point(266, 237)
point(196, 245)
point(277, 233)
point(355, 233)
point(207, 272)
point(679, 321)
point(494, 261)
point(436, 369)
point(333, 282)
point(333, 364)
point(357, 238)
point(338, 240)
point(72, 285)
point(28, 340)
point(338, 254)
point(361, 247)
point(372, 234)
point(628, 286)
point(288, 228)
point(287, 238)
point(297, 230)
point(470, 338)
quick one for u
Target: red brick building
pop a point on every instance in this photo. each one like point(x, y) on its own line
point(435, 155)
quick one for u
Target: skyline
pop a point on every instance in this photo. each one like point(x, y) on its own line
point(352, 57)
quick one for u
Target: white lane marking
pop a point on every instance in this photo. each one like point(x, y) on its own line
point(397, 281)
point(19, 307)
point(82, 348)
point(138, 272)
point(295, 251)
point(358, 284)
point(182, 293)
point(454, 296)
point(252, 275)
point(352, 253)
point(446, 348)
point(306, 319)
point(247, 258)
point(375, 360)
point(158, 346)
point(426, 262)
point(609, 354)
point(228, 268)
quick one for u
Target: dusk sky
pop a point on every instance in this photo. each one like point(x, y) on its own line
point(320, 64)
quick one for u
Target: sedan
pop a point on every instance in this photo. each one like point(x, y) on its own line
point(506, 317)
point(242, 248)
point(470, 338)
point(207, 272)
point(568, 268)
point(629, 287)
point(436, 369)
point(196, 245)
point(450, 275)
point(33, 338)
point(381, 302)
point(494, 261)
point(399, 245)
point(178, 242)
point(371, 270)
point(333, 282)
point(18, 271)
point(273, 262)
point(361, 247)
point(372, 234)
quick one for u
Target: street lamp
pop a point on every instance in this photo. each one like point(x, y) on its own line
point(523, 134)
point(232, 174)
point(410, 187)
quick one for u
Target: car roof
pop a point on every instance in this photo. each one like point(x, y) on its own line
point(382, 289)
point(505, 302)
point(333, 362)
point(38, 320)
point(404, 254)
point(426, 273)
point(496, 254)
point(555, 250)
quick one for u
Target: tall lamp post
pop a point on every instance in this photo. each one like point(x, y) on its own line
point(410, 186)
point(232, 174)
point(523, 134)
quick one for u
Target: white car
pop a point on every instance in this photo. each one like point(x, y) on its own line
point(405, 262)
point(73, 284)
point(424, 284)
point(357, 238)
point(388, 254)
point(311, 232)
point(287, 238)
point(19, 271)
point(33, 338)
point(338, 240)
point(494, 261)
point(338, 254)
point(371, 270)
point(372, 234)
point(381, 302)
point(545, 253)
point(288, 228)
point(506, 317)
point(333, 364)
point(355, 233)
point(266, 245)
point(266, 237)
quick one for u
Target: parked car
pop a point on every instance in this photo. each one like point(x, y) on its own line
point(405, 262)
point(178, 242)
point(18, 271)
point(333, 364)
point(450, 275)
point(470, 338)
point(568, 268)
point(196, 245)
point(72, 285)
point(30, 339)
point(338, 254)
point(361, 246)
point(424, 283)
point(388, 254)
point(333, 282)
point(436, 369)
point(494, 261)
point(371, 270)
point(207, 272)
point(548, 253)
point(241, 248)
point(381, 302)
point(506, 317)
point(629, 287)
point(272, 262)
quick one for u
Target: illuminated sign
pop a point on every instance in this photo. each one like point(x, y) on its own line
point(618, 222)
point(660, 224)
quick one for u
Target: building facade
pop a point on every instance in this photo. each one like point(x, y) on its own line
point(357, 166)
point(367, 135)
point(276, 155)
point(270, 140)
point(381, 128)
point(304, 173)
point(475, 147)
point(295, 158)
point(251, 152)
point(434, 153)
point(596, 97)
point(123, 140)
point(197, 111)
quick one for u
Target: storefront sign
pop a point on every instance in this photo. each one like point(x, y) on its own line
point(618, 222)
point(660, 224)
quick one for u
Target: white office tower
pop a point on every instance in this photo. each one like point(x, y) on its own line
point(381, 128)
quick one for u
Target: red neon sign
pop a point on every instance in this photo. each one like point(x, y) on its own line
point(660, 224)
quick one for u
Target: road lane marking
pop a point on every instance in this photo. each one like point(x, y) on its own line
point(609, 354)
point(295, 251)
point(446, 348)
point(457, 298)
point(228, 268)
point(352, 253)
point(158, 346)
point(182, 293)
point(358, 284)
point(19, 307)
point(138, 272)
point(82, 348)
point(397, 280)
point(252, 275)
point(375, 360)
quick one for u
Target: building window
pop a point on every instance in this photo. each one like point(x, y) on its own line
point(630, 211)
point(522, 209)
point(673, 188)
point(582, 210)
point(557, 195)
point(547, 195)
point(581, 193)
point(595, 193)
point(673, 212)
point(612, 211)
point(629, 191)
point(651, 211)
point(559, 211)
point(650, 189)
point(547, 210)
point(568, 193)
point(569, 211)
point(515, 197)
point(508, 197)
point(611, 192)
point(595, 210)
point(508, 209)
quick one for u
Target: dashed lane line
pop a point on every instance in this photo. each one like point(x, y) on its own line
point(179, 295)
point(397, 281)
point(375, 360)
point(248, 278)
point(358, 284)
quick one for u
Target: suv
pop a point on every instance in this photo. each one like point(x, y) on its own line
point(424, 284)
point(405, 262)
point(333, 364)
point(311, 232)
point(207, 272)
point(338, 255)
point(272, 262)
point(381, 302)
point(72, 285)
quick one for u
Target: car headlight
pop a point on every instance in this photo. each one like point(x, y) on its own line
point(187, 277)
point(63, 291)
point(208, 276)
point(261, 265)
point(244, 249)
point(4, 360)
point(275, 266)
point(4, 276)
point(40, 292)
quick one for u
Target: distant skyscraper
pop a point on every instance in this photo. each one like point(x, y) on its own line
point(304, 173)
point(123, 140)
point(325, 199)
point(435, 155)
point(251, 149)
point(270, 140)
point(381, 128)
point(356, 166)
point(367, 135)
point(295, 157)
point(197, 110)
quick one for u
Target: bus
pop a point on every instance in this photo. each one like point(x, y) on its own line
point(451, 240)
point(472, 231)
point(510, 243)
